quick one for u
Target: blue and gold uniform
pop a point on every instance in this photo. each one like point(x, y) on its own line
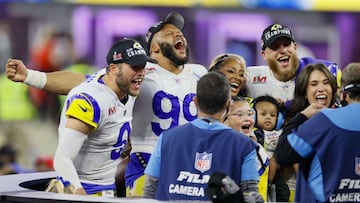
point(95, 104)
point(165, 101)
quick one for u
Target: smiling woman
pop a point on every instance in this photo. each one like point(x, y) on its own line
point(313, 138)
point(315, 84)
point(233, 66)
point(315, 89)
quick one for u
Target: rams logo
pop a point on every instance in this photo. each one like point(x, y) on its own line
point(136, 49)
point(137, 45)
point(276, 27)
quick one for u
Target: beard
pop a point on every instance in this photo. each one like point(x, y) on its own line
point(168, 52)
point(284, 75)
point(123, 84)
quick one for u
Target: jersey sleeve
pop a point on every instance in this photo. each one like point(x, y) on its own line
point(85, 108)
point(249, 168)
point(95, 75)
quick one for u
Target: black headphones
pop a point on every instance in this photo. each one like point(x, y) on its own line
point(352, 87)
point(280, 117)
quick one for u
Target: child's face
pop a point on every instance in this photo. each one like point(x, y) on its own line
point(266, 115)
point(241, 117)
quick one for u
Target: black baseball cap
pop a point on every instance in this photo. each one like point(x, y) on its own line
point(273, 32)
point(128, 51)
point(173, 17)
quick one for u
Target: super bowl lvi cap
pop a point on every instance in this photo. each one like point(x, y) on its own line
point(273, 32)
point(128, 51)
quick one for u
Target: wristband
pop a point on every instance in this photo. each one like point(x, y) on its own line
point(36, 79)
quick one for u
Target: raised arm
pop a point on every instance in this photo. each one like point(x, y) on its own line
point(59, 82)
point(285, 154)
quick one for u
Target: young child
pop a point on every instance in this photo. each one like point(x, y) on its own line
point(241, 118)
point(268, 122)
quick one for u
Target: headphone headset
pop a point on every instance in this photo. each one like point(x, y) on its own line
point(280, 116)
point(352, 87)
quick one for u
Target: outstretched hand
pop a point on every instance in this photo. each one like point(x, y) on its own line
point(312, 109)
point(16, 70)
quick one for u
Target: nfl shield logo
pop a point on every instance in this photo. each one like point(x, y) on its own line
point(202, 161)
point(357, 166)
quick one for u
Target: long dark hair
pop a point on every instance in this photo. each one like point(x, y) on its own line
point(300, 102)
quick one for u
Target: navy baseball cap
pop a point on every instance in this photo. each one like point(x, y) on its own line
point(128, 51)
point(273, 32)
point(173, 17)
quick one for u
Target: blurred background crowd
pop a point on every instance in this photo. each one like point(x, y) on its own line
point(75, 35)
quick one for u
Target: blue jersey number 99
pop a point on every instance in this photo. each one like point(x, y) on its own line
point(174, 113)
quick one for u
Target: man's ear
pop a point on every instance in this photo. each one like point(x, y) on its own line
point(343, 99)
point(111, 67)
point(195, 101)
point(228, 106)
point(154, 48)
point(227, 110)
point(263, 54)
point(346, 96)
point(342, 96)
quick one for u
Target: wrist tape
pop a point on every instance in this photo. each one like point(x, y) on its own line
point(36, 79)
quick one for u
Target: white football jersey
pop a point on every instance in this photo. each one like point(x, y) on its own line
point(262, 82)
point(165, 101)
point(97, 105)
